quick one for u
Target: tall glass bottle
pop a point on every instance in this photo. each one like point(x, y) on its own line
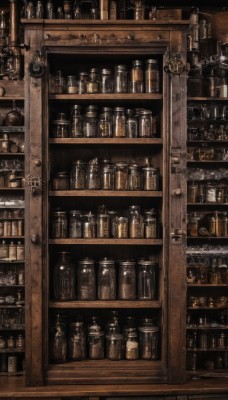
point(64, 278)
point(58, 342)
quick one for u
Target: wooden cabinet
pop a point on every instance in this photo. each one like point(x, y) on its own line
point(72, 54)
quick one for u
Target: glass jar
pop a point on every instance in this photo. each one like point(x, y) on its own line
point(193, 225)
point(83, 79)
point(61, 126)
point(72, 84)
point(150, 178)
point(77, 341)
point(67, 11)
point(120, 228)
point(132, 346)
point(146, 280)
point(105, 123)
point(107, 177)
point(60, 181)
point(119, 122)
point(214, 224)
point(145, 123)
point(76, 121)
point(86, 280)
point(59, 85)
point(136, 226)
point(93, 175)
point(224, 224)
point(150, 224)
point(139, 10)
point(103, 226)
point(96, 345)
point(75, 224)
point(89, 226)
point(210, 192)
point(131, 124)
point(78, 175)
point(152, 78)
point(113, 325)
point(121, 175)
point(92, 86)
point(148, 342)
point(58, 342)
point(127, 280)
point(134, 177)
point(106, 280)
point(120, 79)
point(64, 278)
point(107, 82)
point(114, 346)
point(59, 225)
point(90, 127)
point(137, 79)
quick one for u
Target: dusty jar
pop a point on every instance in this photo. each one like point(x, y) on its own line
point(127, 280)
point(148, 341)
point(106, 280)
point(114, 346)
point(64, 278)
point(86, 279)
point(77, 341)
point(146, 280)
point(78, 175)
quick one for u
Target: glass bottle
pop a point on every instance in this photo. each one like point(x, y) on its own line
point(77, 10)
point(90, 123)
point(96, 345)
point(146, 280)
point(106, 81)
point(86, 280)
point(83, 79)
point(120, 228)
point(132, 346)
point(89, 226)
point(113, 325)
point(136, 225)
point(152, 78)
point(75, 224)
point(107, 177)
point(60, 181)
point(78, 175)
point(50, 10)
point(39, 9)
point(106, 280)
point(120, 79)
point(131, 124)
point(127, 280)
point(61, 126)
point(121, 175)
point(93, 175)
point(145, 123)
point(105, 123)
point(77, 341)
point(92, 86)
point(30, 10)
point(148, 342)
point(119, 122)
point(76, 121)
point(114, 346)
point(58, 342)
point(134, 177)
point(67, 12)
point(137, 79)
point(59, 225)
point(64, 281)
point(150, 224)
point(103, 225)
point(72, 84)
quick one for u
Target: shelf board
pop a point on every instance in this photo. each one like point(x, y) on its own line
point(207, 327)
point(11, 129)
point(11, 154)
point(6, 189)
point(12, 306)
point(111, 241)
point(212, 142)
point(207, 204)
point(12, 237)
point(110, 141)
point(207, 350)
point(189, 98)
point(207, 284)
point(207, 308)
point(18, 373)
point(7, 351)
point(207, 162)
point(106, 304)
point(11, 286)
point(107, 96)
point(104, 193)
point(20, 328)
point(202, 373)
point(7, 261)
point(213, 238)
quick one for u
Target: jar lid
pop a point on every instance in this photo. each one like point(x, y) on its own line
point(60, 122)
point(97, 333)
point(148, 329)
point(78, 162)
point(115, 336)
point(75, 213)
point(86, 261)
point(137, 63)
point(106, 71)
point(122, 109)
point(77, 324)
point(61, 174)
point(145, 112)
point(151, 61)
point(94, 71)
point(152, 169)
point(76, 107)
point(146, 263)
point(121, 164)
point(121, 67)
point(127, 263)
point(133, 166)
point(59, 213)
point(106, 261)
point(106, 109)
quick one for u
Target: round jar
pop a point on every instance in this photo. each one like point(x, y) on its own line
point(107, 177)
point(64, 281)
point(148, 342)
point(103, 226)
point(78, 175)
point(121, 175)
point(72, 84)
point(106, 280)
point(146, 280)
point(61, 126)
point(60, 181)
point(137, 79)
point(152, 78)
point(107, 82)
point(127, 280)
point(119, 122)
point(76, 121)
point(105, 123)
point(77, 341)
point(96, 345)
point(120, 228)
point(86, 280)
point(75, 224)
point(145, 124)
point(88, 226)
point(114, 346)
point(120, 79)
point(134, 177)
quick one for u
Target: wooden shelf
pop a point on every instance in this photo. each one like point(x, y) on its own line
point(7, 261)
point(207, 204)
point(207, 98)
point(11, 154)
point(12, 237)
point(106, 304)
point(206, 284)
point(12, 306)
point(107, 97)
point(125, 242)
point(20, 328)
point(207, 350)
point(207, 308)
point(11, 129)
point(14, 350)
point(104, 193)
point(12, 190)
point(12, 286)
point(207, 162)
point(207, 328)
point(108, 141)
point(212, 142)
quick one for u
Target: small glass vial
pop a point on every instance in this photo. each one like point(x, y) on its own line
point(77, 341)
point(90, 124)
point(83, 79)
point(134, 177)
point(120, 79)
point(150, 224)
point(137, 78)
point(106, 280)
point(64, 278)
point(72, 84)
point(50, 10)
point(107, 177)
point(39, 9)
point(61, 126)
point(103, 226)
point(121, 175)
point(30, 10)
point(132, 346)
point(152, 77)
point(146, 280)
point(92, 86)
point(150, 178)
point(136, 225)
point(75, 224)
point(59, 225)
point(127, 280)
point(89, 226)
point(78, 175)
point(148, 342)
point(114, 346)
point(145, 123)
point(76, 121)
point(20, 251)
point(107, 82)
point(93, 175)
point(105, 123)
point(120, 228)
point(119, 122)
point(131, 124)
point(86, 280)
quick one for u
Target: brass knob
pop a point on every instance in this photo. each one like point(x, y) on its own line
point(37, 162)
point(175, 160)
point(177, 192)
point(35, 239)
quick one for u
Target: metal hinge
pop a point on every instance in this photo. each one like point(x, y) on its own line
point(34, 183)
